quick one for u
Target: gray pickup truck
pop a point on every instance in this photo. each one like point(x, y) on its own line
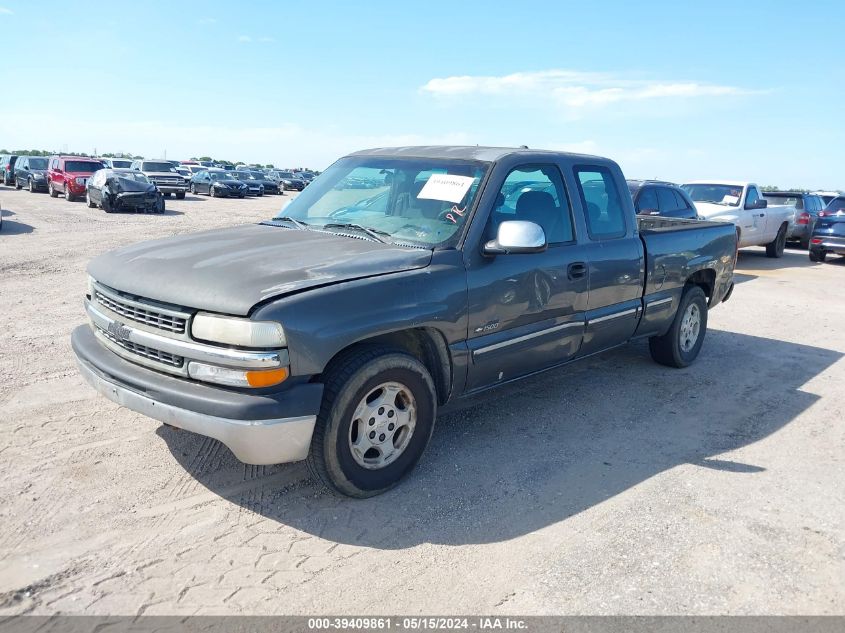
point(400, 280)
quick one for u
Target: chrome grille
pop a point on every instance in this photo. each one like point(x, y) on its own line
point(142, 350)
point(141, 315)
point(164, 180)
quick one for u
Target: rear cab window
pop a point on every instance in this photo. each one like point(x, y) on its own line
point(602, 202)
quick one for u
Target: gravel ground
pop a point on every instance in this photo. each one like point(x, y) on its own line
point(615, 486)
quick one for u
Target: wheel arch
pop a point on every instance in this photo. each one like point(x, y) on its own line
point(426, 344)
point(705, 279)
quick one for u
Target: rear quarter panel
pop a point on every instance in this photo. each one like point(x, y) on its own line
point(673, 257)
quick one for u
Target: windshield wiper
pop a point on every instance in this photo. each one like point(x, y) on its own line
point(297, 223)
point(376, 234)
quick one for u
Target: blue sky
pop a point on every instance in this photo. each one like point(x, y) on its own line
point(750, 90)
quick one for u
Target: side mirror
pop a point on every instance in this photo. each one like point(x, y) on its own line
point(517, 237)
point(762, 203)
point(58, 170)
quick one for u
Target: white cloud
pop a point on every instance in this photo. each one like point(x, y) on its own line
point(244, 38)
point(574, 89)
point(5, 11)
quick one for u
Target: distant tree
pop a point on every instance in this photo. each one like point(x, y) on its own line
point(206, 158)
point(270, 166)
point(5, 151)
point(770, 188)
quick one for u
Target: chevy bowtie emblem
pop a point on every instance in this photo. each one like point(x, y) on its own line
point(119, 331)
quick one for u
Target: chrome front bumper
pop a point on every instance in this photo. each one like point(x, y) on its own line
point(272, 441)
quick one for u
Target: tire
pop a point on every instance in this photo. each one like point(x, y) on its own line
point(160, 208)
point(804, 244)
point(18, 186)
point(30, 186)
point(53, 193)
point(817, 256)
point(211, 192)
point(241, 196)
point(193, 190)
point(678, 348)
point(68, 195)
point(180, 195)
point(362, 374)
point(775, 248)
point(89, 202)
point(105, 205)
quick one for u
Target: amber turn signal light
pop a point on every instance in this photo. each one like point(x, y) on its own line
point(266, 378)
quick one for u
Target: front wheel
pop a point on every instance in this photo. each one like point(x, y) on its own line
point(180, 195)
point(375, 422)
point(817, 256)
point(89, 202)
point(18, 186)
point(31, 186)
point(193, 189)
point(53, 193)
point(680, 346)
point(775, 248)
point(68, 195)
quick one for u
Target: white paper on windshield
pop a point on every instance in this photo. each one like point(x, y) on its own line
point(446, 187)
point(730, 199)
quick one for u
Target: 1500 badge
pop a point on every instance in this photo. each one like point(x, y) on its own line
point(493, 325)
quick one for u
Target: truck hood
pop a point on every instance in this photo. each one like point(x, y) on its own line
point(231, 270)
point(709, 210)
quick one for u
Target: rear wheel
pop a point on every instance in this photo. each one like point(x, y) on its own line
point(375, 421)
point(775, 247)
point(680, 346)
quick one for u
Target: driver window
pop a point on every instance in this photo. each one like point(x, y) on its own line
point(535, 193)
point(752, 196)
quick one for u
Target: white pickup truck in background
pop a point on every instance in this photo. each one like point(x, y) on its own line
point(757, 222)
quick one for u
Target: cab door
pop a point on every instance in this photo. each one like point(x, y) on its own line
point(756, 219)
point(526, 311)
point(615, 255)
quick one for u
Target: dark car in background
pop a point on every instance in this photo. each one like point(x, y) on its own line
point(657, 197)
point(828, 234)
point(287, 180)
point(123, 190)
point(218, 184)
point(270, 185)
point(253, 185)
point(835, 207)
point(7, 168)
point(69, 175)
point(31, 172)
point(807, 209)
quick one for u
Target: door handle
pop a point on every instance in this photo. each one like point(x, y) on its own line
point(576, 270)
point(762, 215)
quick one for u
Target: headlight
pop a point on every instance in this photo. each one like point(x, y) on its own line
point(39, 176)
point(242, 332)
point(237, 377)
point(90, 286)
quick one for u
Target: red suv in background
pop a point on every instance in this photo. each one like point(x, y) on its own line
point(69, 175)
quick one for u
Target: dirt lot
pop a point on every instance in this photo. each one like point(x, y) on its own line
point(613, 486)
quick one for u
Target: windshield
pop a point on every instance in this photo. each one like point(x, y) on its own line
point(286, 174)
point(122, 164)
point(132, 175)
point(149, 166)
point(257, 174)
point(216, 175)
point(419, 201)
point(82, 166)
point(38, 163)
point(718, 194)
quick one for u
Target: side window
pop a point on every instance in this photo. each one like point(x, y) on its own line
point(680, 201)
point(666, 198)
point(601, 201)
point(647, 200)
point(536, 193)
point(752, 196)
